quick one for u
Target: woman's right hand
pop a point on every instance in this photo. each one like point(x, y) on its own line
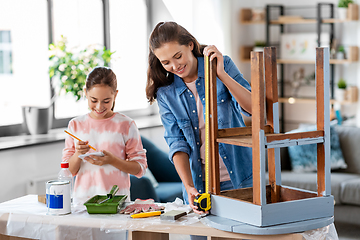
point(82, 147)
point(192, 193)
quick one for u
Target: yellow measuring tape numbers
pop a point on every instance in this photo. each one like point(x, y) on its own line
point(202, 201)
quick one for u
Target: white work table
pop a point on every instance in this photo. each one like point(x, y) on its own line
point(26, 217)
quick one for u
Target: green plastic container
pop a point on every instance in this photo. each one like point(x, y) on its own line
point(110, 206)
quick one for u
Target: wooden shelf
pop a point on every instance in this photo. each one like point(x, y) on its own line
point(304, 61)
point(294, 21)
point(297, 61)
point(309, 21)
point(292, 100)
point(252, 22)
point(352, 54)
point(246, 17)
point(276, 140)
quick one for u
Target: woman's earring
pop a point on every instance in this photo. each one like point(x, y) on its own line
point(167, 74)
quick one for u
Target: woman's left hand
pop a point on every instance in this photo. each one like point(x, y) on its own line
point(213, 52)
point(108, 158)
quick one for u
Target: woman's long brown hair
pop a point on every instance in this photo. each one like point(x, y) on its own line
point(165, 32)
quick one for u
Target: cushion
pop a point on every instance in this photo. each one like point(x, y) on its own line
point(151, 177)
point(350, 191)
point(158, 162)
point(169, 191)
point(142, 188)
point(303, 157)
point(349, 142)
point(308, 181)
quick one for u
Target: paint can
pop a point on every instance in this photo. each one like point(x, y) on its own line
point(58, 199)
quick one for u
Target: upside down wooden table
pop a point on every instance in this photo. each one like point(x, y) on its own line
point(25, 217)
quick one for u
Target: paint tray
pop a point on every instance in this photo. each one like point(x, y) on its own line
point(110, 206)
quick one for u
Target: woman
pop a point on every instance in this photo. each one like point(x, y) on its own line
point(176, 81)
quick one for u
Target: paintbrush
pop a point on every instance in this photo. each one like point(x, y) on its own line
point(79, 139)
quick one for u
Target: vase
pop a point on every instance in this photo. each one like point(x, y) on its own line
point(340, 55)
point(258, 49)
point(342, 13)
point(340, 94)
point(37, 120)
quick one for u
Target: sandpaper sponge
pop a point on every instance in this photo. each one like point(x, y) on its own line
point(172, 215)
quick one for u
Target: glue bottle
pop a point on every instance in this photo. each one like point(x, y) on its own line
point(66, 175)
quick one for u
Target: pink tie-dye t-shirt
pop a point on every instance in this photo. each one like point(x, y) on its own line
point(118, 135)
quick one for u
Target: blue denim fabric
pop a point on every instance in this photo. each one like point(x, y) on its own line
point(177, 108)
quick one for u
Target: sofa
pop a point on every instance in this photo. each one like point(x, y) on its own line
point(161, 181)
point(345, 182)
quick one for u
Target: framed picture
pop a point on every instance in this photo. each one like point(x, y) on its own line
point(301, 45)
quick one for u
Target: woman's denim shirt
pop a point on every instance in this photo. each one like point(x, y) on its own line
point(179, 116)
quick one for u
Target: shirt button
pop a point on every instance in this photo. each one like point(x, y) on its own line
point(231, 172)
point(200, 175)
point(188, 90)
point(195, 128)
point(222, 100)
point(224, 157)
point(193, 111)
point(199, 191)
point(203, 99)
point(199, 84)
point(199, 160)
point(197, 143)
point(190, 95)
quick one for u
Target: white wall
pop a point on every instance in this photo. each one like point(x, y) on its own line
point(346, 33)
point(19, 165)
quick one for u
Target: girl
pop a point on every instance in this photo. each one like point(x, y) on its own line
point(115, 134)
point(176, 81)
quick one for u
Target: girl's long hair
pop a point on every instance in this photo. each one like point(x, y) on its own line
point(165, 32)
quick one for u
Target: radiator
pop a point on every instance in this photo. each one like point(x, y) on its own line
point(38, 185)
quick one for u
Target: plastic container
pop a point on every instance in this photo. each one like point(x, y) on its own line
point(65, 175)
point(110, 206)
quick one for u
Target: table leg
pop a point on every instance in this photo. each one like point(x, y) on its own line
point(5, 237)
point(135, 235)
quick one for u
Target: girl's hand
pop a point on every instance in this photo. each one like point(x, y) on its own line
point(215, 53)
point(192, 193)
point(108, 158)
point(82, 147)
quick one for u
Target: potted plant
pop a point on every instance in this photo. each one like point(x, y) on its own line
point(341, 90)
point(259, 46)
point(69, 67)
point(68, 70)
point(342, 8)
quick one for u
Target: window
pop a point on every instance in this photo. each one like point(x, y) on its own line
point(23, 43)
point(24, 53)
point(81, 22)
point(129, 38)
point(5, 53)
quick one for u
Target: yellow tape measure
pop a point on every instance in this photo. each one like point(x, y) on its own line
point(202, 201)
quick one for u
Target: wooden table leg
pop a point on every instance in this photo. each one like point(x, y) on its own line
point(135, 235)
point(5, 237)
